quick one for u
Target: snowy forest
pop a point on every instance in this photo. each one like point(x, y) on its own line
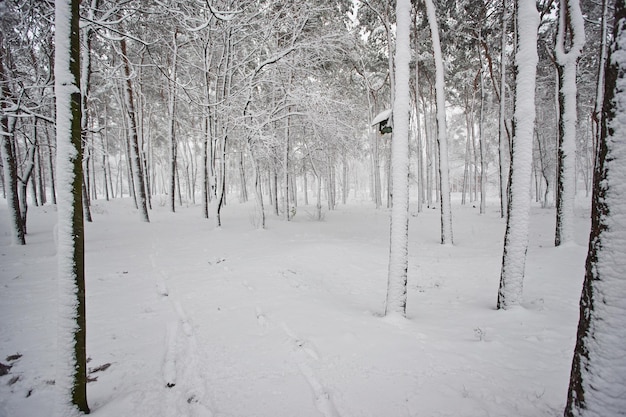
point(337, 208)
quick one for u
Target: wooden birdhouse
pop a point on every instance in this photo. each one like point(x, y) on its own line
point(383, 120)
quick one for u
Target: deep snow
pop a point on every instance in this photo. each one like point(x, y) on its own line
point(287, 321)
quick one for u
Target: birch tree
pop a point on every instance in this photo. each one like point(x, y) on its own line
point(570, 23)
point(598, 374)
point(71, 375)
point(398, 246)
point(518, 214)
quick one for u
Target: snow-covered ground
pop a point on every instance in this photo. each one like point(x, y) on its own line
point(287, 322)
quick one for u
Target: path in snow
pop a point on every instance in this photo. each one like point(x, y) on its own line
point(182, 365)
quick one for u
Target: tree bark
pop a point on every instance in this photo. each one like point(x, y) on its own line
point(598, 374)
point(503, 138)
point(570, 23)
point(398, 246)
point(71, 378)
point(442, 135)
point(135, 156)
point(518, 214)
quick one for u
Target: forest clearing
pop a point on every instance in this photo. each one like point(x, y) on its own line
point(288, 321)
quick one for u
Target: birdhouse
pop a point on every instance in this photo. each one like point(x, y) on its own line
point(383, 120)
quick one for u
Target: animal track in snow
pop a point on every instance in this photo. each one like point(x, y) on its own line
point(302, 350)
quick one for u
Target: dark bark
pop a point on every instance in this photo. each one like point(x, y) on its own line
point(72, 199)
point(598, 355)
point(138, 181)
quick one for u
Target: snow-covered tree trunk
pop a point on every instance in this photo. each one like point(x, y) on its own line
point(518, 214)
point(286, 167)
point(596, 117)
point(398, 247)
point(85, 73)
point(418, 128)
point(258, 195)
point(138, 184)
point(23, 180)
point(503, 159)
point(481, 132)
point(598, 375)
point(570, 22)
point(171, 127)
point(442, 134)
point(9, 166)
point(10, 181)
point(71, 363)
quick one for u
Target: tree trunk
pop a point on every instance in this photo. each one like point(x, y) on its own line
point(597, 377)
point(481, 135)
point(286, 171)
point(9, 162)
point(137, 171)
point(570, 23)
point(399, 236)
point(71, 375)
point(41, 178)
point(596, 116)
point(11, 180)
point(258, 193)
point(442, 135)
point(503, 141)
point(518, 214)
point(171, 129)
point(23, 184)
point(53, 193)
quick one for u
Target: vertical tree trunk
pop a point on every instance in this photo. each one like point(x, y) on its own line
point(305, 186)
point(258, 193)
point(243, 190)
point(71, 377)
point(518, 215)
point(85, 73)
point(11, 180)
point(23, 184)
point(570, 23)
point(171, 129)
point(51, 158)
point(286, 171)
point(398, 246)
point(503, 157)
point(41, 178)
point(418, 129)
point(596, 116)
point(481, 135)
point(597, 377)
point(442, 135)
point(8, 157)
point(138, 184)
